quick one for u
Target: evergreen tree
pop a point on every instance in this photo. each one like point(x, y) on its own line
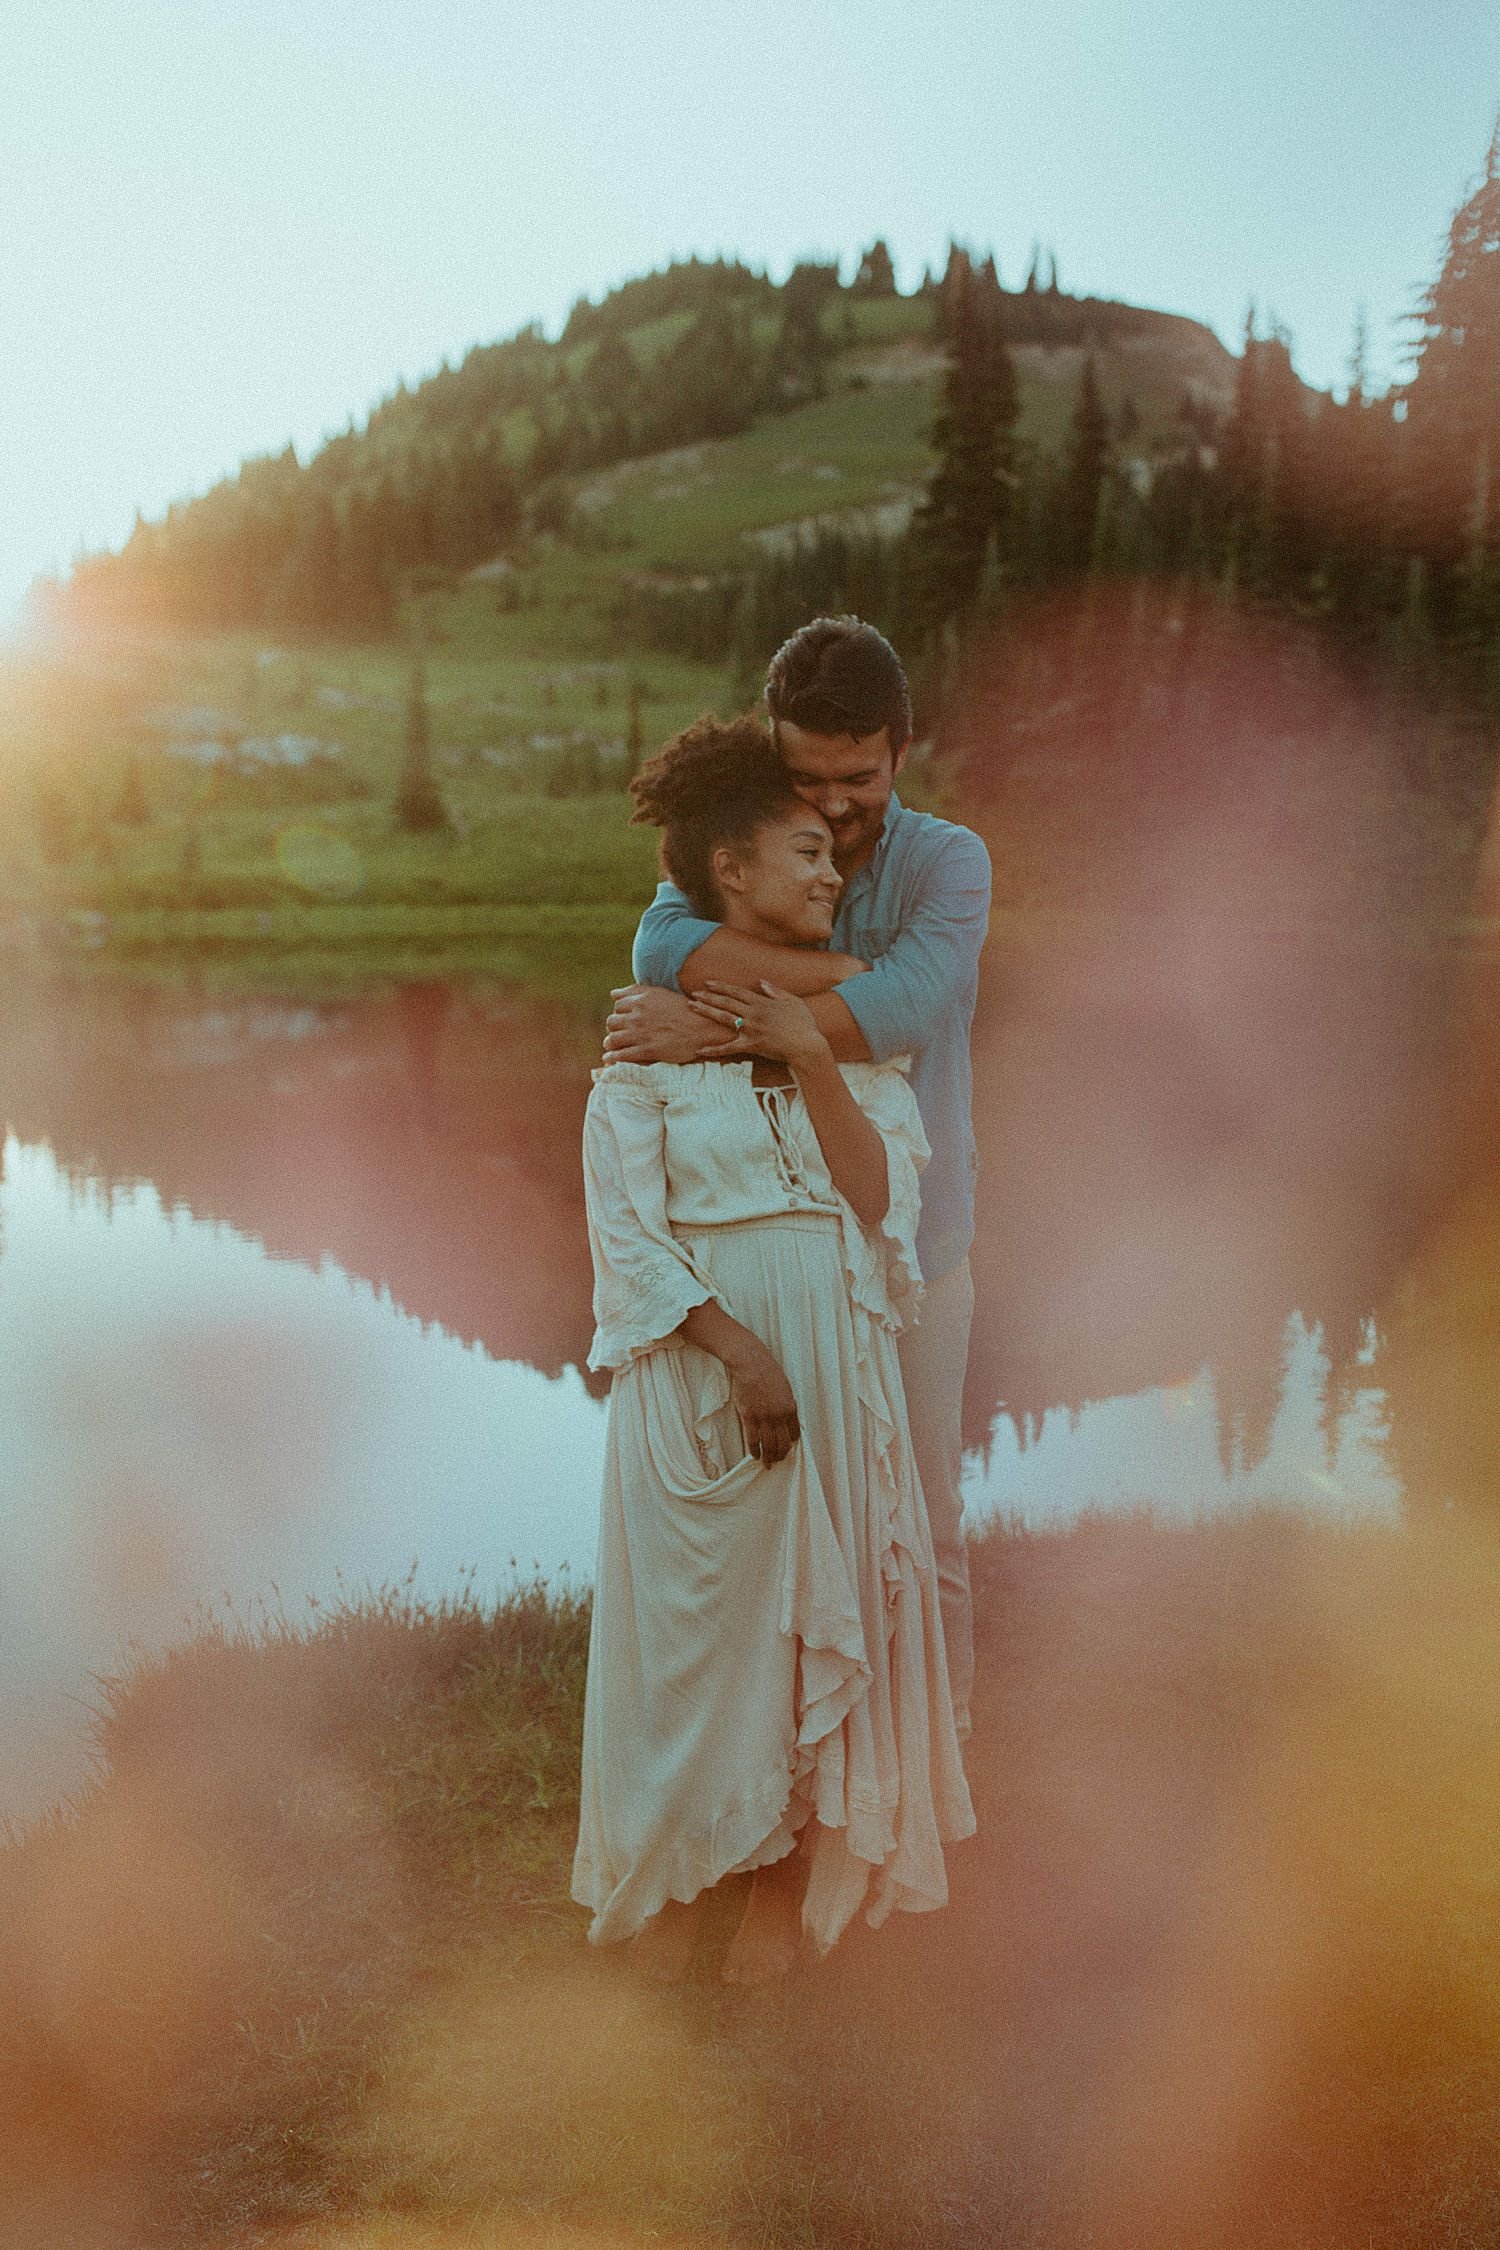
point(1477, 590)
point(1244, 433)
point(706, 384)
point(877, 275)
point(367, 602)
point(1453, 399)
point(418, 803)
point(635, 733)
point(611, 387)
point(1357, 476)
point(1088, 457)
point(958, 276)
point(1269, 468)
point(959, 522)
point(306, 595)
point(802, 350)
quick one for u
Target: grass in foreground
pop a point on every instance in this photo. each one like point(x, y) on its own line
point(1219, 1968)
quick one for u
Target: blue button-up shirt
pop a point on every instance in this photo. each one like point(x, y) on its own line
point(917, 911)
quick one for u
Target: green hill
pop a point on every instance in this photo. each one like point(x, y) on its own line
point(679, 424)
point(208, 751)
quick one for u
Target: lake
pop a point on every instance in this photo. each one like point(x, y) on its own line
point(294, 1295)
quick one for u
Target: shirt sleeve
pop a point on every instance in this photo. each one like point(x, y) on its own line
point(645, 1283)
point(669, 931)
point(884, 1093)
point(932, 959)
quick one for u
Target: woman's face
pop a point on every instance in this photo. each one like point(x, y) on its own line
point(783, 886)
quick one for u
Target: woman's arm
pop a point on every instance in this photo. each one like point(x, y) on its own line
point(762, 1395)
point(777, 1023)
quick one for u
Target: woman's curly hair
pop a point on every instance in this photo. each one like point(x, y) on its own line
point(715, 783)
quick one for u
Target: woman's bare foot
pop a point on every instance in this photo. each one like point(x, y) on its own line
point(766, 1944)
point(663, 1950)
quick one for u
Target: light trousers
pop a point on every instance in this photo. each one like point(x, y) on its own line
point(934, 1356)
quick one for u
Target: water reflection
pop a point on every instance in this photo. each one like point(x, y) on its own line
point(1173, 1451)
point(186, 1416)
point(289, 1289)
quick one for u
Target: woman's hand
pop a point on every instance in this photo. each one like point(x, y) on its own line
point(761, 1394)
point(764, 1402)
point(763, 1021)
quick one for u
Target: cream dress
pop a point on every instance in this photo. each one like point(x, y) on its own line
point(767, 1647)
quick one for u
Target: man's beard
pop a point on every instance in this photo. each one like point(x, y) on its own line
point(855, 840)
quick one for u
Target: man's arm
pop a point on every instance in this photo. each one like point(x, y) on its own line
point(889, 1009)
point(651, 1021)
point(918, 978)
point(668, 932)
point(728, 957)
point(675, 951)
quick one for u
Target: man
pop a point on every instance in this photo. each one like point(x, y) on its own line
point(914, 907)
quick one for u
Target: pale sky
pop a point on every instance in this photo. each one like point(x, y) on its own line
point(229, 223)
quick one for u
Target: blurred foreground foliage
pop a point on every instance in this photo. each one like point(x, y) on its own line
point(298, 1966)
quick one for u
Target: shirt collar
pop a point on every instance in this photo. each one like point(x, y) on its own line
point(867, 872)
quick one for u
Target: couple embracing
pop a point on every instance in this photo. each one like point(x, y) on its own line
point(779, 1172)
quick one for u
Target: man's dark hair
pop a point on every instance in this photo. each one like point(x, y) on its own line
point(839, 676)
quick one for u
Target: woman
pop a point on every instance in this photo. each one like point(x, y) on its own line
point(767, 1682)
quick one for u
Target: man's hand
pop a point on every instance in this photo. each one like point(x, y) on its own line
point(650, 1025)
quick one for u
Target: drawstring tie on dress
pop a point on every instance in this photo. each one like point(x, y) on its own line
point(790, 1169)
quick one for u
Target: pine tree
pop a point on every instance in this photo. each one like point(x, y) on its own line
point(635, 734)
point(611, 386)
point(419, 806)
point(366, 590)
point(1244, 433)
point(1357, 476)
point(956, 526)
point(1268, 466)
point(1477, 607)
point(958, 276)
point(802, 350)
point(1088, 458)
point(877, 275)
point(706, 384)
point(1453, 399)
point(306, 595)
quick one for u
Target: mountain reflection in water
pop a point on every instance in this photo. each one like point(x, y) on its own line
point(295, 1290)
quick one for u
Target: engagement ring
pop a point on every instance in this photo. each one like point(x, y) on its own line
point(739, 1023)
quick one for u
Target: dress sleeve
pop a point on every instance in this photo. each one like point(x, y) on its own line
point(884, 1093)
point(645, 1283)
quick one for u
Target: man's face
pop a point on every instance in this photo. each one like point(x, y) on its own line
point(849, 779)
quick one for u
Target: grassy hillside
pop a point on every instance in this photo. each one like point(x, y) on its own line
point(531, 677)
